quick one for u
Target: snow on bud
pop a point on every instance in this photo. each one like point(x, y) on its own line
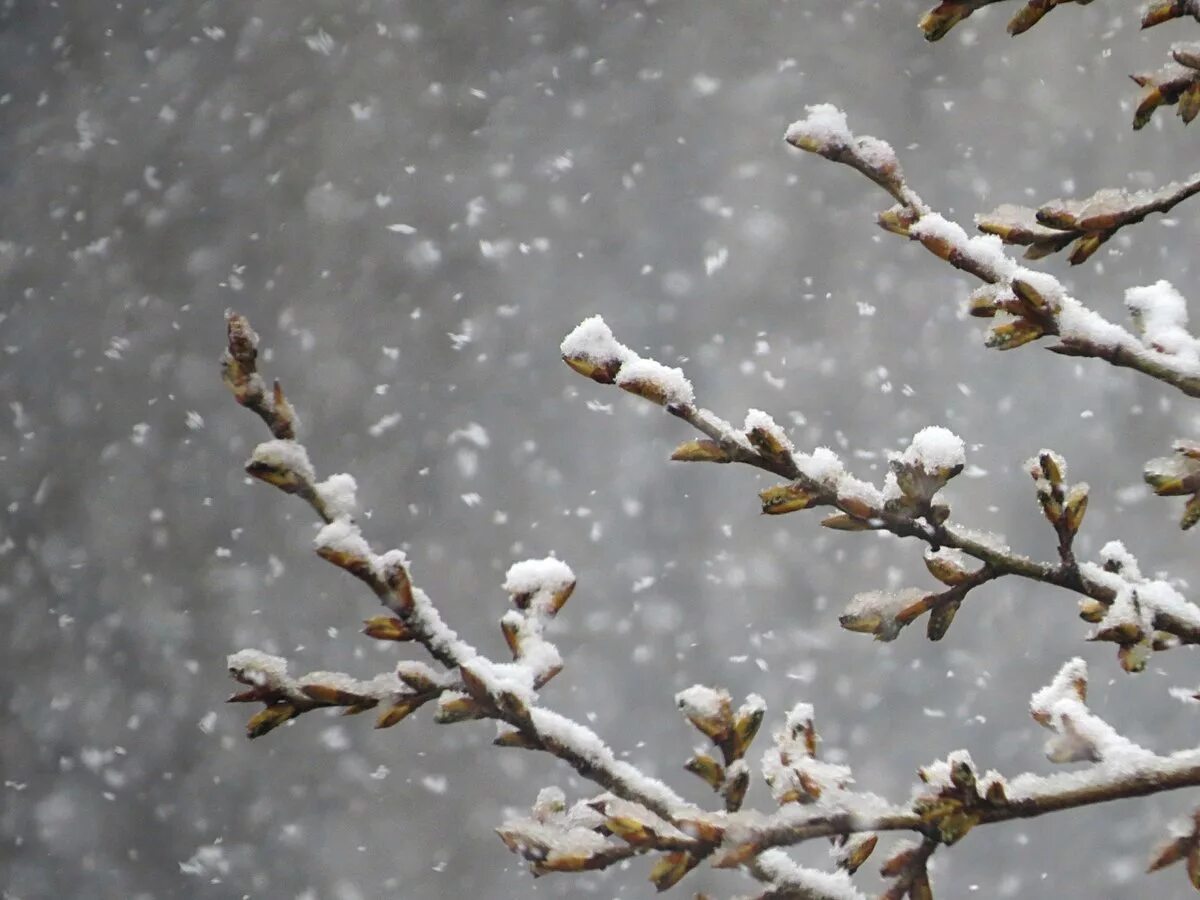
point(823, 130)
point(259, 669)
point(935, 456)
point(947, 565)
point(282, 463)
point(338, 495)
point(1034, 301)
point(884, 613)
point(651, 380)
point(341, 543)
point(937, 450)
point(708, 709)
point(592, 351)
point(898, 219)
point(736, 784)
point(546, 584)
point(766, 436)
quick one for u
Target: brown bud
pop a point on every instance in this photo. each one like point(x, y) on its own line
point(602, 371)
point(269, 718)
point(701, 450)
point(387, 628)
point(708, 769)
point(858, 851)
point(786, 498)
point(1012, 334)
point(735, 790)
point(398, 711)
point(670, 868)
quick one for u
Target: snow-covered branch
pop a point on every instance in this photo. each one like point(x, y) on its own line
point(479, 687)
point(954, 797)
point(1137, 614)
point(1026, 303)
point(1087, 223)
point(639, 815)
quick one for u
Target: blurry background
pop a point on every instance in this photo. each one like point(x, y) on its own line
point(414, 202)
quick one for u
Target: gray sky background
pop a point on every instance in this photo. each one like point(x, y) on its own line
point(165, 162)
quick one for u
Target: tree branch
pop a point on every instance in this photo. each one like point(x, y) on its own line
point(1128, 608)
point(1030, 304)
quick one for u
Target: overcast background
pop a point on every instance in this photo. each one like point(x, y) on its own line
point(163, 162)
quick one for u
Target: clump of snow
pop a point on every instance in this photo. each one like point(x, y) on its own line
point(650, 378)
point(533, 575)
point(938, 227)
point(587, 744)
point(259, 668)
point(878, 154)
point(592, 339)
point(822, 466)
point(1078, 323)
point(342, 536)
point(756, 418)
point(937, 775)
point(1160, 313)
point(799, 716)
point(701, 702)
point(936, 450)
point(825, 125)
point(503, 679)
point(855, 491)
point(754, 704)
point(986, 250)
point(1079, 733)
point(796, 880)
point(338, 495)
point(877, 612)
point(1117, 557)
point(285, 455)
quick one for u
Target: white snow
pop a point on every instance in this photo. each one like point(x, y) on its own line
point(593, 340)
point(824, 125)
point(260, 668)
point(663, 381)
point(875, 612)
point(343, 536)
point(935, 449)
point(802, 881)
point(533, 575)
point(337, 493)
point(822, 466)
point(701, 702)
point(756, 418)
point(1160, 313)
point(586, 743)
point(285, 455)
